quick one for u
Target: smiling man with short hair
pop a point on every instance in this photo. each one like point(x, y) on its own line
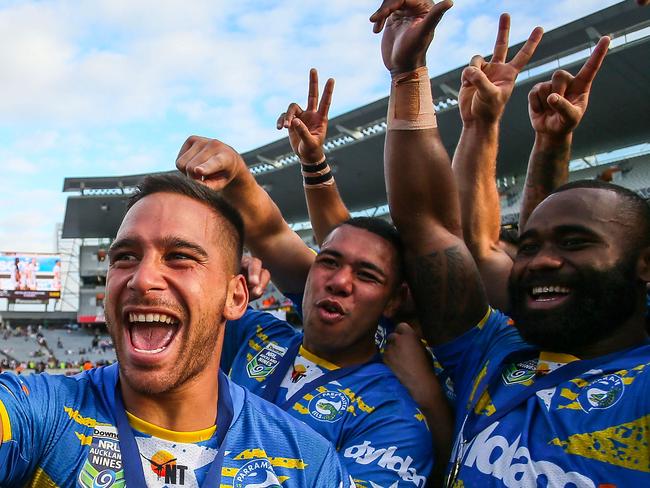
point(164, 415)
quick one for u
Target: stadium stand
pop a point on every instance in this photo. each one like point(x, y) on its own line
point(355, 145)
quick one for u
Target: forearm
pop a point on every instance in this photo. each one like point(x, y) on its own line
point(326, 210)
point(440, 419)
point(422, 194)
point(548, 168)
point(424, 205)
point(267, 235)
point(474, 167)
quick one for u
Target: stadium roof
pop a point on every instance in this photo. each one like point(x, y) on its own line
point(618, 116)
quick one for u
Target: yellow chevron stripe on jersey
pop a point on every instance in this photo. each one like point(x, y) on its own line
point(624, 445)
point(80, 419)
point(6, 425)
point(41, 480)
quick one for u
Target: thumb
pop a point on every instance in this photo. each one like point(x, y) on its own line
point(435, 14)
point(563, 107)
point(403, 328)
point(480, 81)
point(302, 130)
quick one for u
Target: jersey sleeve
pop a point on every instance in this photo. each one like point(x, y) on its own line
point(24, 407)
point(395, 451)
point(464, 357)
point(332, 473)
point(236, 334)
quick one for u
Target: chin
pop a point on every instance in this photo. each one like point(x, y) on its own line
point(150, 382)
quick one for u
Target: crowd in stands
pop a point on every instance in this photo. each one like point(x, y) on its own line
point(37, 349)
point(437, 350)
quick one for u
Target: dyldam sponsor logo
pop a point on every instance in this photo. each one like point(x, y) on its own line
point(512, 464)
point(385, 458)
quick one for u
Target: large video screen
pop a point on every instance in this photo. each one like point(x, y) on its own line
point(30, 276)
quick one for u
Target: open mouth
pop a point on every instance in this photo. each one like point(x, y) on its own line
point(151, 333)
point(549, 294)
point(330, 310)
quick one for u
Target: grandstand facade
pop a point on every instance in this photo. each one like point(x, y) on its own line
point(354, 146)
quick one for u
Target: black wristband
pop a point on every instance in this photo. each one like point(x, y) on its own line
point(314, 168)
point(317, 180)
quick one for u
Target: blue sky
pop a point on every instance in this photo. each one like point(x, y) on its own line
point(112, 87)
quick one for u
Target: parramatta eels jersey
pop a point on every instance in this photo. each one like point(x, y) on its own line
point(60, 432)
point(530, 418)
point(379, 433)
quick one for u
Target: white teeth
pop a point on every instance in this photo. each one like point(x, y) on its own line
point(538, 290)
point(151, 318)
point(153, 351)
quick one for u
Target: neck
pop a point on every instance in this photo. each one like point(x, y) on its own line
point(350, 356)
point(629, 334)
point(189, 407)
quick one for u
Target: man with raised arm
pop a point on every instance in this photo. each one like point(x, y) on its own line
point(307, 131)
point(331, 377)
point(164, 416)
point(559, 399)
point(402, 348)
point(556, 108)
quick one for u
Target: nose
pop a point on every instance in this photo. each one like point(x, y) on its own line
point(340, 282)
point(147, 276)
point(545, 259)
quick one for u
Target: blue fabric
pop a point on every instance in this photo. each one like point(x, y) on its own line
point(587, 431)
point(56, 421)
point(378, 431)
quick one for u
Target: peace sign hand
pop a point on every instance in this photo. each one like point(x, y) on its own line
point(486, 86)
point(308, 128)
point(556, 107)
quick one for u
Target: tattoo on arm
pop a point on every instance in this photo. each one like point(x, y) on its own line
point(448, 292)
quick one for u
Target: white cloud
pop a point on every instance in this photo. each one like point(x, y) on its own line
point(115, 86)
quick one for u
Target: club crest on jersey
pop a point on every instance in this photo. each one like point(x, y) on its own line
point(602, 393)
point(328, 406)
point(103, 466)
point(265, 361)
point(257, 473)
point(520, 372)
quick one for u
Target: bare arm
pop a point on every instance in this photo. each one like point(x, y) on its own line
point(556, 108)
point(485, 89)
point(267, 235)
point(307, 131)
point(410, 362)
point(422, 193)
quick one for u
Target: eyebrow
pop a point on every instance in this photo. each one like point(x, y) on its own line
point(561, 229)
point(363, 264)
point(165, 242)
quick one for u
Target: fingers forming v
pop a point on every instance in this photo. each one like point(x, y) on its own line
point(501, 44)
point(312, 96)
point(527, 50)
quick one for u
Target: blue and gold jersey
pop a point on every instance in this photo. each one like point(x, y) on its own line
point(531, 418)
point(377, 429)
point(60, 432)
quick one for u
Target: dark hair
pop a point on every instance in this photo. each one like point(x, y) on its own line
point(386, 231)
point(181, 185)
point(509, 234)
point(632, 207)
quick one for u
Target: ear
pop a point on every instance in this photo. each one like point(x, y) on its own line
point(236, 298)
point(643, 265)
point(399, 297)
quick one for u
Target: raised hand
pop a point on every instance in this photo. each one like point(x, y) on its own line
point(308, 128)
point(556, 107)
point(210, 161)
point(257, 277)
point(408, 26)
point(486, 86)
